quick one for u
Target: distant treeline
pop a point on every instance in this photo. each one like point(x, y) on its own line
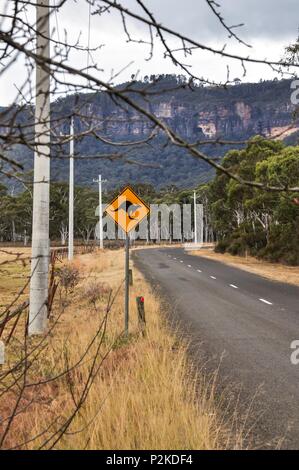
point(243, 219)
point(16, 209)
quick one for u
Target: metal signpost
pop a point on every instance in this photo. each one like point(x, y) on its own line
point(127, 283)
point(127, 210)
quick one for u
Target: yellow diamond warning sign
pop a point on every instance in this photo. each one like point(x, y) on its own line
point(127, 209)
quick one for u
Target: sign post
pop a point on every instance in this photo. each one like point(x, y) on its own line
point(127, 210)
point(127, 283)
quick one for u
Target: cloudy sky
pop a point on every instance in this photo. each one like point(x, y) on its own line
point(269, 26)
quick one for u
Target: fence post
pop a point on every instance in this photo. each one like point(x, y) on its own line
point(141, 314)
point(130, 277)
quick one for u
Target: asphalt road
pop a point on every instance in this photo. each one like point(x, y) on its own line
point(243, 324)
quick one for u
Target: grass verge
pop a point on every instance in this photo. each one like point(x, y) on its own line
point(143, 394)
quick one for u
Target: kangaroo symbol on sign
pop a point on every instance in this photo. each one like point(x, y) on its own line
point(129, 208)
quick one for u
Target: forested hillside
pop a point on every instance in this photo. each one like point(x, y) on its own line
point(197, 113)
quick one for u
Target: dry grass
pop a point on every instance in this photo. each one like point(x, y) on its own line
point(144, 396)
point(273, 271)
point(14, 274)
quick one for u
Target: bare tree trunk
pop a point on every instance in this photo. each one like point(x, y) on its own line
point(63, 233)
point(13, 231)
point(40, 223)
point(25, 237)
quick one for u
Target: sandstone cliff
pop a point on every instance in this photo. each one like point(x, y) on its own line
point(204, 113)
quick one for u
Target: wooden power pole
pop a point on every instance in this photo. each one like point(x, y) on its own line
point(100, 181)
point(40, 224)
point(195, 218)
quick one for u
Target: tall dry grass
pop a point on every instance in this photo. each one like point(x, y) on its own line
point(144, 395)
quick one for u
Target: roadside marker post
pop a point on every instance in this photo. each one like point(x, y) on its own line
point(130, 277)
point(141, 314)
point(127, 210)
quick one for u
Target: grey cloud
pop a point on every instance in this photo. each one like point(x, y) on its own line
point(268, 19)
point(263, 19)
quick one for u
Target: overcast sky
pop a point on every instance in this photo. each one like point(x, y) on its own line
point(270, 25)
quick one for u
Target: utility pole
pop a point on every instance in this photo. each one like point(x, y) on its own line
point(71, 195)
point(100, 181)
point(40, 253)
point(195, 219)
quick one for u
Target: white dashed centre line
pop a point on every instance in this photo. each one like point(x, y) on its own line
point(174, 258)
point(181, 261)
point(266, 301)
point(199, 271)
point(233, 286)
point(213, 277)
point(189, 266)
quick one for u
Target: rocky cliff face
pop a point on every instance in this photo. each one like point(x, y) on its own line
point(239, 111)
point(235, 113)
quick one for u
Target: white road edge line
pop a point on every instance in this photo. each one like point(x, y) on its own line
point(233, 285)
point(266, 301)
point(213, 277)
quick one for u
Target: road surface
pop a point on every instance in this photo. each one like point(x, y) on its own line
point(245, 324)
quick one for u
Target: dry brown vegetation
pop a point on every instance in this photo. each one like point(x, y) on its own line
point(144, 394)
point(14, 272)
point(273, 271)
